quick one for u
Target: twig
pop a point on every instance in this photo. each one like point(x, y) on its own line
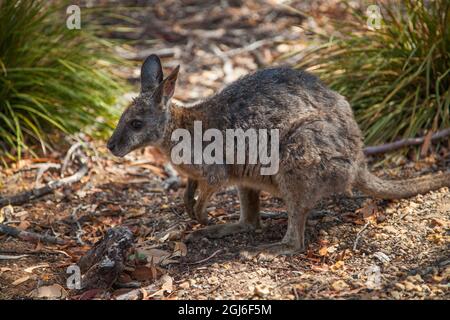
point(404, 143)
point(358, 235)
point(206, 259)
point(42, 169)
point(30, 236)
point(7, 257)
point(26, 196)
point(140, 293)
point(69, 154)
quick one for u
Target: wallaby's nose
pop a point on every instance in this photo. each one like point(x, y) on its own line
point(111, 145)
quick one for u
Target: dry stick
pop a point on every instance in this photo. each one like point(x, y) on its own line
point(206, 259)
point(29, 236)
point(8, 257)
point(404, 143)
point(69, 154)
point(139, 293)
point(26, 196)
point(358, 235)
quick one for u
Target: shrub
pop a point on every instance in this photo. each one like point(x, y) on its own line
point(396, 77)
point(51, 78)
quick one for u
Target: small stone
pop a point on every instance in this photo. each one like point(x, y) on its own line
point(415, 279)
point(396, 295)
point(390, 229)
point(437, 223)
point(185, 285)
point(261, 291)
point(400, 286)
point(409, 286)
point(382, 257)
point(339, 285)
point(213, 280)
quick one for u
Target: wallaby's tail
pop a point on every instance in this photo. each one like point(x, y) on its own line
point(385, 189)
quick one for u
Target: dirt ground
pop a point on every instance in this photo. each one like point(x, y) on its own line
point(357, 247)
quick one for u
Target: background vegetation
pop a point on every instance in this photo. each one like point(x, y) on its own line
point(396, 77)
point(51, 78)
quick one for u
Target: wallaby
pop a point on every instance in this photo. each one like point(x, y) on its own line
point(320, 145)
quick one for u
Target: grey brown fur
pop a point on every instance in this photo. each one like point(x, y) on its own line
point(320, 145)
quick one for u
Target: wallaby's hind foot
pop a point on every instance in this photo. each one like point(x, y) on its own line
point(279, 248)
point(220, 231)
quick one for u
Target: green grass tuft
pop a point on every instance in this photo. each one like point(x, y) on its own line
point(396, 78)
point(51, 78)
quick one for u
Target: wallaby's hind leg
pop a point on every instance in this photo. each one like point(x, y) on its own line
point(294, 239)
point(189, 197)
point(204, 194)
point(300, 197)
point(196, 209)
point(249, 218)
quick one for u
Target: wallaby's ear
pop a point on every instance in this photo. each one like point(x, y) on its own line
point(166, 89)
point(151, 73)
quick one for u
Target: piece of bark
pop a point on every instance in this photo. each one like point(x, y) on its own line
point(104, 262)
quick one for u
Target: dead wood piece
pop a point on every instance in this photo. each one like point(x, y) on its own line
point(148, 291)
point(404, 143)
point(104, 262)
point(29, 236)
point(27, 196)
point(358, 235)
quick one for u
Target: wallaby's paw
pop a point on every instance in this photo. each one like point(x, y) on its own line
point(219, 231)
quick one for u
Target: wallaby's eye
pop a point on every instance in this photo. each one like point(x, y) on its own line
point(136, 124)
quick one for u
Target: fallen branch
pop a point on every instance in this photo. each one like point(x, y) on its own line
point(208, 258)
point(26, 196)
point(148, 291)
point(30, 236)
point(404, 143)
point(8, 257)
point(358, 235)
point(103, 263)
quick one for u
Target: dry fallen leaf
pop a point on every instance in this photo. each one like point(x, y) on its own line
point(180, 249)
point(340, 285)
point(338, 265)
point(30, 269)
point(143, 273)
point(323, 251)
point(166, 286)
point(369, 211)
point(154, 256)
point(51, 292)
